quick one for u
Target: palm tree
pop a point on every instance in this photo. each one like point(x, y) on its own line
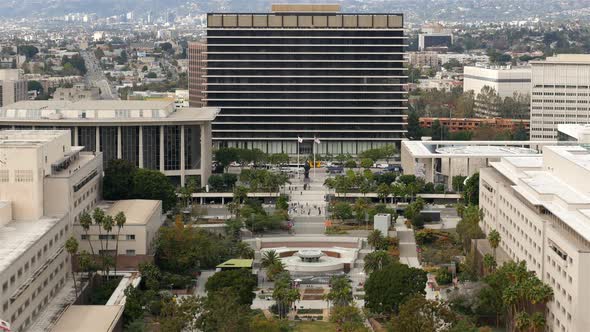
point(86, 222)
point(523, 321)
point(120, 221)
point(376, 261)
point(283, 294)
point(72, 249)
point(275, 269)
point(375, 238)
point(383, 190)
point(107, 224)
point(489, 263)
point(537, 321)
point(244, 250)
point(494, 239)
point(269, 258)
point(340, 292)
point(98, 216)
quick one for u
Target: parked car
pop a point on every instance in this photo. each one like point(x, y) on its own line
point(335, 169)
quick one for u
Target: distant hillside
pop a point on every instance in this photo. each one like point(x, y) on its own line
point(415, 10)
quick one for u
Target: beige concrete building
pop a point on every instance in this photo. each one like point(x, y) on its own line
point(423, 59)
point(505, 80)
point(78, 92)
point(560, 94)
point(91, 318)
point(12, 87)
point(541, 208)
point(136, 238)
point(44, 183)
point(440, 161)
point(150, 134)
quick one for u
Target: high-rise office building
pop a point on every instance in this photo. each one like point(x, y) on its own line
point(307, 71)
point(560, 94)
point(196, 73)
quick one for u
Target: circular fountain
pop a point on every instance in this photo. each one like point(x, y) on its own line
point(316, 261)
point(310, 256)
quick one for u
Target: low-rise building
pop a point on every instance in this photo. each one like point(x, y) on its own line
point(462, 124)
point(135, 239)
point(150, 134)
point(44, 184)
point(423, 59)
point(541, 207)
point(13, 87)
point(76, 93)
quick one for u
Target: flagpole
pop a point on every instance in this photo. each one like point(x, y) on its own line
point(314, 143)
point(298, 170)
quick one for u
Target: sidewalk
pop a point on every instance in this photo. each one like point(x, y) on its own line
point(407, 245)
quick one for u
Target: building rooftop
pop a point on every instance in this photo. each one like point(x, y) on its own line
point(137, 211)
point(89, 318)
point(236, 263)
point(566, 59)
point(16, 237)
point(31, 138)
point(461, 149)
point(103, 111)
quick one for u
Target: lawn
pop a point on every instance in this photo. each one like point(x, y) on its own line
point(316, 326)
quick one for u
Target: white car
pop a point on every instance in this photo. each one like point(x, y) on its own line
point(382, 166)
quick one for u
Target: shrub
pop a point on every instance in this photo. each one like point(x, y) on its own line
point(443, 276)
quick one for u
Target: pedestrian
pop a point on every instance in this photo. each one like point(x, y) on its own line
point(309, 212)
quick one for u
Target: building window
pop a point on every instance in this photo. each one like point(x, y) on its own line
point(172, 147)
point(151, 147)
point(108, 144)
point(130, 252)
point(84, 236)
point(130, 237)
point(87, 138)
point(130, 144)
point(192, 147)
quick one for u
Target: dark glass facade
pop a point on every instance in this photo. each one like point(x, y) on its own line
point(130, 144)
point(192, 147)
point(108, 144)
point(275, 83)
point(151, 147)
point(171, 148)
point(87, 138)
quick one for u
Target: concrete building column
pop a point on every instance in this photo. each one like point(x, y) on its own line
point(182, 148)
point(75, 142)
point(162, 148)
point(97, 139)
point(206, 152)
point(140, 143)
point(119, 147)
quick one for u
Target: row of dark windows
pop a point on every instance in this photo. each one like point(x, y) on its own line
point(292, 135)
point(304, 72)
point(317, 111)
point(301, 119)
point(303, 41)
point(309, 127)
point(304, 64)
point(308, 96)
point(228, 80)
point(305, 33)
point(302, 49)
point(298, 56)
point(303, 103)
point(323, 88)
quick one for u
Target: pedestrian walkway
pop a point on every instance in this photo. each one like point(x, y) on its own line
point(407, 245)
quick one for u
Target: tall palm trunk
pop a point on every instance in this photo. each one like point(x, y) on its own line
point(106, 256)
point(89, 243)
point(117, 249)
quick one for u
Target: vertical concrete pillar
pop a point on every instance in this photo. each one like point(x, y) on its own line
point(97, 139)
point(182, 149)
point(119, 145)
point(206, 152)
point(162, 148)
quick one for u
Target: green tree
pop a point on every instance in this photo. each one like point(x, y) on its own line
point(366, 163)
point(86, 222)
point(284, 294)
point(120, 220)
point(27, 50)
point(72, 249)
point(107, 225)
point(225, 156)
point(241, 281)
point(468, 227)
point(151, 74)
point(118, 180)
point(387, 288)
point(417, 314)
point(348, 319)
point(133, 306)
point(269, 257)
point(152, 184)
point(494, 238)
point(414, 129)
point(471, 191)
point(376, 260)
point(341, 210)
point(340, 293)
point(520, 134)
point(489, 263)
point(279, 158)
point(350, 163)
point(383, 191)
point(375, 238)
point(179, 314)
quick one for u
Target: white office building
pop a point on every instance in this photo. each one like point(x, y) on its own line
point(150, 134)
point(44, 183)
point(13, 87)
point(505, 80)
point(541, 207)
point(560, 94)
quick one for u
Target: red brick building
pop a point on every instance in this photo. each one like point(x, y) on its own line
point(470, 124)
